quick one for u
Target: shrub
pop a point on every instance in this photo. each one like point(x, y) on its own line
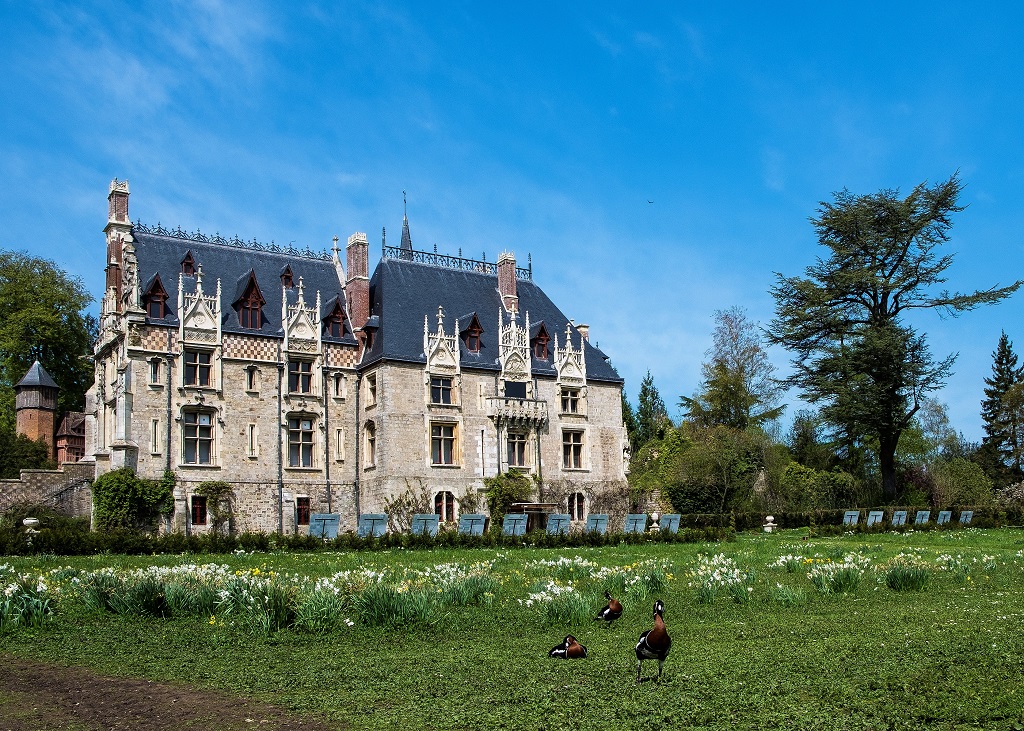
point(123, 500)
point(503, 490)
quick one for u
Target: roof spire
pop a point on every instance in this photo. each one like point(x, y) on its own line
point(406, 237)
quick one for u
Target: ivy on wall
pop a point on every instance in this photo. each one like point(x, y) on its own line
point(219, 504)
point(124, 501)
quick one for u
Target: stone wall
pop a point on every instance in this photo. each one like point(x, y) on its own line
point(261, 507)
point(68, 489)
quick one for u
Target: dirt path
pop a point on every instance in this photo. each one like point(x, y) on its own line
point(41, 697)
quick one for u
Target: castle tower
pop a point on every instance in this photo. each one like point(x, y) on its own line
point(36, 406)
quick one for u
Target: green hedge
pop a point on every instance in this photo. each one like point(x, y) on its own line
point(71, 541)
point(71, 537)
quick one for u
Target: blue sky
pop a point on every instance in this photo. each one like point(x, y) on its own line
point(543, 128)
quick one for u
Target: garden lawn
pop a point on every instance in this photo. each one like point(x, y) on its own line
point(757, 643)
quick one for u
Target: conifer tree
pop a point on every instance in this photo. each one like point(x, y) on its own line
point(856, 354)
point(651, 415)
point(999, 410)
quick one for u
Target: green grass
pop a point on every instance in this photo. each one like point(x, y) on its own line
point(787, 655)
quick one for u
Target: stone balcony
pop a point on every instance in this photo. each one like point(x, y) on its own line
point(530, 412)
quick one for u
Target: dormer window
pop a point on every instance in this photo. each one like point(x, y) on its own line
point(250, 314)
point(540, 344)
point(250, 304)
point(156, 300)
point(334, 323)
point(471, 335)
point(286, 278)
point(188, 265)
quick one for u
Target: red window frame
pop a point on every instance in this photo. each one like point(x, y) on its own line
point(199, 510)
point(302, 511)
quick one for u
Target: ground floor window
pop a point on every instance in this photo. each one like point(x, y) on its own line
point(577, 506)
point(302, 510)
point(444, 505)
point(199, 510)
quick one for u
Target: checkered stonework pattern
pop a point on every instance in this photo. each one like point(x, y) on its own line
point(243, 348)
point(341, 356)
point(161, 339)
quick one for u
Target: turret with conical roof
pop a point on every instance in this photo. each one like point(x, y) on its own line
point(36, 405)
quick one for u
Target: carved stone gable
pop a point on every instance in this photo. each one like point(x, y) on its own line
point(441, 350)
point(301, 334)
point(199, 313)
point(570, 362)
point(514, 348)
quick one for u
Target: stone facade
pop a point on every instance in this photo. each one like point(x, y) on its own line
point(280, 374)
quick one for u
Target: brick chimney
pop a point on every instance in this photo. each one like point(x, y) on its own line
point(357, 286)
point(118, 229)
point(507, 281)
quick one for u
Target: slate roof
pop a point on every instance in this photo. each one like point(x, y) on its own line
point(162, 255)
point(403, 291)
point(37, 377)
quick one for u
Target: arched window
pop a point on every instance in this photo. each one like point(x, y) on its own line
point(370, 443)
point(444, 505)
point(577, 506)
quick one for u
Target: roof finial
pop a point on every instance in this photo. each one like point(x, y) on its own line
point(440, 318)
point(405, 206)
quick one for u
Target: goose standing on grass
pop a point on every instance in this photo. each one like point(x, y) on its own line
point(569, 649)
point(655, 643)
point(611, 612)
